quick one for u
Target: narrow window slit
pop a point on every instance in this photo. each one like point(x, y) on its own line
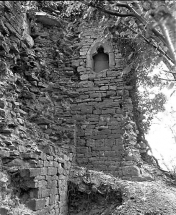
point(101, 60)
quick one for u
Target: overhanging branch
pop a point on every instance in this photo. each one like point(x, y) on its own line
point(133, 14)
point(148, 41)
point(114, 13)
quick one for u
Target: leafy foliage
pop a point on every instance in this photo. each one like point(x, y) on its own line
point(147, 28)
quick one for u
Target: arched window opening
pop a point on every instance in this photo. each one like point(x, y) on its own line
point(101, 60)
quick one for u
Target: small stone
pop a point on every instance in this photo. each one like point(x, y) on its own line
point(2, 113)
point(84, 77)
point(3, 178)
point(35, 172)
point(4, 153)
point(52, 171)
point(2, 104)
point(36, 204)
point(29, 40)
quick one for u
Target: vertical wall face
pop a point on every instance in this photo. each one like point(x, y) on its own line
point(100, 106)
point(30, 149)
point(45, 184)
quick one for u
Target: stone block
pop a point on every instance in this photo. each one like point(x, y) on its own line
point(112, 87)
point(110, 154)
point(93, 118)
point(82, 160)
point(114, 129)
point(56, 164)
point(113, 123)
point(40, 163)
point(111, 73)
point(84, 96)
point(36, 204)
point(43, 211)
point(86, 110)
point(108, 111)
point(103, 88)
point(98, 112)
point(47, 202)
point(31, 183)
point(101, 74)
point(82, 150)
point(91, 76)
point(40, 177)
point(80, 133)
point(51, 163)
point(67, 165)
point(109, 142)
point(84, 49)
point(104, 132)
point(52, 170)
point(83, 53)
point(43, 171)
point(35, 172)
point(84, 77)
point(88, 132)
point(43, 156)
point(118, 63)
point(42, 183)
point(52, 199)
point(99, 137)
point(111, 93)
point(131, 171)
point(62, 177)
point(2, 113)
point(107, 148)
point(4, 153)
point(86, 84)
point(116, 136)
point(95, 95)
point(80, 155)
point(81, 69)
point(75, 63)
point(60, 169)
point(45, 193)
point(36, 193)
point(2, 104)
point(46, 163)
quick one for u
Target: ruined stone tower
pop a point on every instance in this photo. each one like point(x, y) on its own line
point(102, 104)
point(61, 107)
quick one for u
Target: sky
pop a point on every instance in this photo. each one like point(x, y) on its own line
point(161, 138)
point(161, 134)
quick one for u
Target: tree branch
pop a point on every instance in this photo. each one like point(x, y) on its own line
point(114, 13)
point(165, 31)
point(168, 72)
point(148, 41)
point(165, 79)
point(133, 14)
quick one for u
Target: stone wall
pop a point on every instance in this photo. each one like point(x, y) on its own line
point(41, 181)
point(36, 128)
point(103, 103)
point(55, 108)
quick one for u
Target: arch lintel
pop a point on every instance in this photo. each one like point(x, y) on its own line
point(93, 51)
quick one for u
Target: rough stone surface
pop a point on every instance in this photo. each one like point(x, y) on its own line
point(102, 105)
point(55, 111)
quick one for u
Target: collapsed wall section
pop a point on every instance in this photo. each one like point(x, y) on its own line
point(45, 116)
point(40, 181)
point(36, 128)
